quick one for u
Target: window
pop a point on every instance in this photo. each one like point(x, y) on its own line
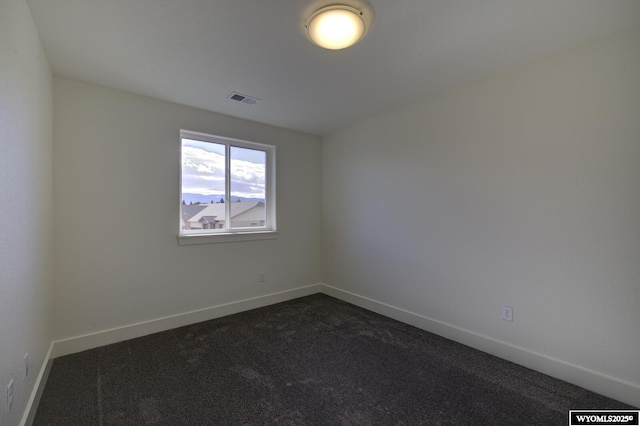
point(227, 186)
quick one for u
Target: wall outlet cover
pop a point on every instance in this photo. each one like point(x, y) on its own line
point(507, 313)
point(10, 395)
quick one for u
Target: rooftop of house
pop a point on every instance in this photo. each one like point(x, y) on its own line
point(217, 211)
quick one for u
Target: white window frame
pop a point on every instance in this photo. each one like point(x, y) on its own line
point(228, 234)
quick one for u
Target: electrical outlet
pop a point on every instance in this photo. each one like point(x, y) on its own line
point(263, 277)
point(507, 313)
point(10, 395)
point(26, 364)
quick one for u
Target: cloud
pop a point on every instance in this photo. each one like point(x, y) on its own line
point(247, 179)
point(203, 173)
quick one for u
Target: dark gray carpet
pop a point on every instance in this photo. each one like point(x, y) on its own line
point(309, 361)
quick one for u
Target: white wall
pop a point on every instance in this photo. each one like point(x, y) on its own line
point(116, 213)
point(523, 190)
point(26, 249)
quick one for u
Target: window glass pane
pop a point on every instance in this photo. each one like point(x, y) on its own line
point(203, 185)
point(248, 187)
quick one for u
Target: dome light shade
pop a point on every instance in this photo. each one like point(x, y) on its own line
point(336, 27)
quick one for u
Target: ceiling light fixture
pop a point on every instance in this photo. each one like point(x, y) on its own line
point(337, 26)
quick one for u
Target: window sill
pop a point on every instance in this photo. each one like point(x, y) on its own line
point(186, 240)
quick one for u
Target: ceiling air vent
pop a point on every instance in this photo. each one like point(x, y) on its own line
point(235, 96)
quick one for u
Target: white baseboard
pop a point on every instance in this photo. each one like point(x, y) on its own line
point(119, 334)
point(612, 387)
point(38, 388)
point(597, 382)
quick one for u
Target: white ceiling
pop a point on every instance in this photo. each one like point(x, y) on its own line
point(196, 52)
